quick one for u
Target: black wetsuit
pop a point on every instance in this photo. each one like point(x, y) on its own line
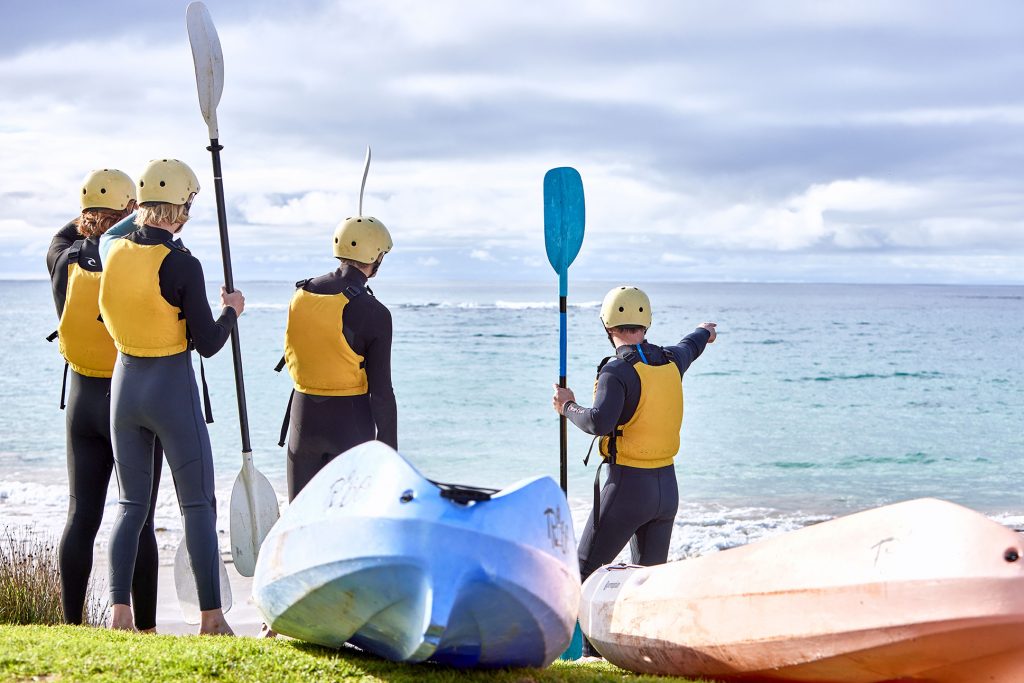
point(90, 460)
point(158, 397)
point(638, 506)
point(322, 427)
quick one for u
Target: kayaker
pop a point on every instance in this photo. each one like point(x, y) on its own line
point(338, 352)
point(153, 302)
point(106, 196)
point(638, 414)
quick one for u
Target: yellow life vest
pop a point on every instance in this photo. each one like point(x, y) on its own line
point(84, 341)
point(136, 314)
point(651, 437)
point(318, 356)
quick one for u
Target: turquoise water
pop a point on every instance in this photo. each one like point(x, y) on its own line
point(816, 400)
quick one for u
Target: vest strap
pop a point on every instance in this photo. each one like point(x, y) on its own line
point(50, 337)
point(208, 412)
point(586, 460)
point(287, 419)
point(64, 386)
point(642, 356)
point(280, 365)
point(74, 250)
point(597, 496)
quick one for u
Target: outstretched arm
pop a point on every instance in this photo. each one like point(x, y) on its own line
point(692, 345)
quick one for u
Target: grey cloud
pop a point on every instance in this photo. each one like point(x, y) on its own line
point(711, 105)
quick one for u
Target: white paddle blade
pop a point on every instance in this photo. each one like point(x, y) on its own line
point(209, 62)
point(254, 510)
point(362, 185)
point(185, 586)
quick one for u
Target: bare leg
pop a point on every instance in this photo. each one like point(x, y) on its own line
point(122, 618)
point(212, 623)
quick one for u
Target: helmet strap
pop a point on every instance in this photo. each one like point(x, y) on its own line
point(376, 265)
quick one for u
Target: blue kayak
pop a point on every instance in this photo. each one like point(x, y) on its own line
point(373, 554)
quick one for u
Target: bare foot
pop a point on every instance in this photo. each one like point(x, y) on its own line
point(212, 623)
point(266, 632)
point(121, 618)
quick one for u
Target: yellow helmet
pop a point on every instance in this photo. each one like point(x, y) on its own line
point(169, 181)
point(107, 189)
point(626, 305)
point(362, 239)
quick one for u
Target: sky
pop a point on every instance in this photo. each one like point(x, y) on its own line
point(773, 140)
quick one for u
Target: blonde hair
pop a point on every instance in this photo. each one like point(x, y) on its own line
point(95, 222)
point(151, 214)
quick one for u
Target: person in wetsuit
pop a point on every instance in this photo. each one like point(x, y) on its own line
point(638, 414)
point(338, 353)
point(107, 196)
point(153, 302)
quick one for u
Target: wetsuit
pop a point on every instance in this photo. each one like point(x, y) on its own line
point(638, 504)
point(323, 426)
point(154, 395)
point(90, 460)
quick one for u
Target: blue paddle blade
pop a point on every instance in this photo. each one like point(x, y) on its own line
point(564, 216)
point(575, 649)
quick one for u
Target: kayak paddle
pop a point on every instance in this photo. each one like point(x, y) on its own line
point(563, 237)
point(564, 217)
point(185, 586)
point(253, 506)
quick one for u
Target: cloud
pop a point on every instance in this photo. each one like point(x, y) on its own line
point(735, 139)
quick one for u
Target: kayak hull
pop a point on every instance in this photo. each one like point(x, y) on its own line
point(919, 591)
point(371, 554)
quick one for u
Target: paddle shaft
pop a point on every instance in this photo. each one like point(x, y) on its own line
point(563, 436)
point(229, 284)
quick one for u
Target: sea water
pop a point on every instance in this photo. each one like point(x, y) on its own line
point(815, 401)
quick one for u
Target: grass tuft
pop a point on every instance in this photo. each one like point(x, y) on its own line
point(30, 581)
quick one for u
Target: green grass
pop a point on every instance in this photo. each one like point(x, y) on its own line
point(80, 653)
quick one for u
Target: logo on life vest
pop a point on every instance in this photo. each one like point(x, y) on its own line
point(91, 262)
point(558, 530)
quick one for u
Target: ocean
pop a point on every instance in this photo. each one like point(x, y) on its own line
point(815, 401)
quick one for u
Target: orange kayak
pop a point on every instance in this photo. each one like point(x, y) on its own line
point(924, 590)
